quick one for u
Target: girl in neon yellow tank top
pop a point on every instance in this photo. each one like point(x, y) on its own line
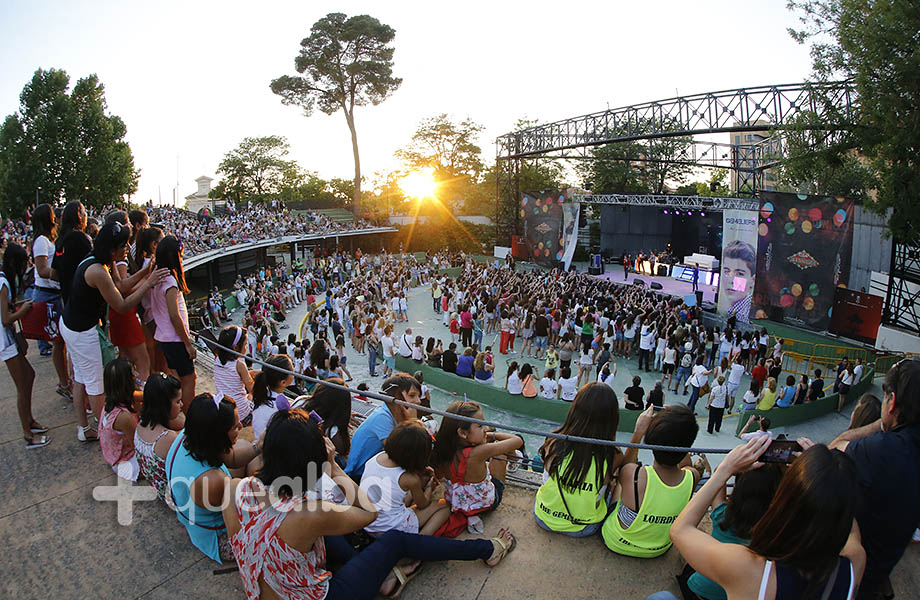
point(651, 497)
point(577, 478)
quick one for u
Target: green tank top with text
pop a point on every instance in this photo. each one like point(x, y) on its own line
point(586, 502)
point(649, 534)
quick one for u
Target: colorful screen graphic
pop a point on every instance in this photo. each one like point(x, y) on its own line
point(804, 249)
point(548, 226)
point(739, 258)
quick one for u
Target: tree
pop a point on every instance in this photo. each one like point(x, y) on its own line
point(346, 62)
point(63, 146)
point(667, 159)
point(874, 45)
point(615, 169)
point(257, 169)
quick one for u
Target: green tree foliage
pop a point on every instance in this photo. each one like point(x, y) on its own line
point(64, 146)
point(257, 170)
point(344, 63)
point(874, 44)
point(714, 187)
point(615, 169)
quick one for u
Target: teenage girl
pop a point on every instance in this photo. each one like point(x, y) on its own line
point(167, 301)
point(145, 250)
point(119, 419)
point(400, 475)
point(231, 376)
point(268, 391)
point(125, 329)
point(15, 261)
point(340, 352)
point(473, 484)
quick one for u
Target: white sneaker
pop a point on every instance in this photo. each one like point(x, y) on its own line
point(917, 536)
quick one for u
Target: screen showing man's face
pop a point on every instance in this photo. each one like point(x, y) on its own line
point(737, 279)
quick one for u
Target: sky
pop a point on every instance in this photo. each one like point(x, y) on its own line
point(191, 79)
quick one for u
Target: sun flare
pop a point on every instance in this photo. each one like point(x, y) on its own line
point(419, 184)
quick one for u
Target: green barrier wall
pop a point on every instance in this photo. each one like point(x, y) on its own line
point(782, 417)
point(495, 396)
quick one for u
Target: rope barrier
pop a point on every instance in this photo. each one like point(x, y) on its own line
point(517, 429)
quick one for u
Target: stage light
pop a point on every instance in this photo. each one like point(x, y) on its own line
point(702, 214)
point(769, 220)
point(690, 213)
point(665, 212)
point(676, 212)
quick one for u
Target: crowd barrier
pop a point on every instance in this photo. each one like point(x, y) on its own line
point(799, 413)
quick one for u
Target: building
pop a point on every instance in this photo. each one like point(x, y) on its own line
point(198, 200)
point(745, 157)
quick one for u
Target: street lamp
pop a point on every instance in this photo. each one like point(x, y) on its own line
point(36, 194)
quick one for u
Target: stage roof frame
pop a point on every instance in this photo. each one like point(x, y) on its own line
point(701, 203)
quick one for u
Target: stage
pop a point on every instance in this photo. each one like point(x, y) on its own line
point(668, 285)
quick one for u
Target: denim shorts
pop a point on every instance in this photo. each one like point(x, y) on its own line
point(539, 341)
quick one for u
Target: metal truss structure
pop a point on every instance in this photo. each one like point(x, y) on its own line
point(700, 203)
point(902, 300)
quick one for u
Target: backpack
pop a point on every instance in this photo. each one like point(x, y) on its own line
point(686, 360)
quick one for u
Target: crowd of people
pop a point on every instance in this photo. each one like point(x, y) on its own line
point(317, 502)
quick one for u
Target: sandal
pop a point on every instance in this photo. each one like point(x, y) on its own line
point(506, 548)
point(36, 442)
point(84, 435)
point(402, 578)
point(64, 390)
point(36, 427)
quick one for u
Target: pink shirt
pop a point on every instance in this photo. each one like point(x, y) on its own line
point(165, 331)
point(466, 320)
point(115, 447)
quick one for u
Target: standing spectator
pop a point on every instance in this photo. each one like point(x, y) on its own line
point(716, 405)
point(887, 457)
point(466, 326)
point(698, 378)
point(759, 373)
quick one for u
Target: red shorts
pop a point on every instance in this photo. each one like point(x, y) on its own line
point(125, 330)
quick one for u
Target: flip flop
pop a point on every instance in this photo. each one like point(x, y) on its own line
point(506, 549)
point(402, 579)
point(36, 427)
point(37, 442)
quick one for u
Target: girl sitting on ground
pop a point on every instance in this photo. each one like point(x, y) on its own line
point(568, 385)
point(513, 380)
point(232, 378)
point(577, 478)
point(528, 385)
point(473, 483)
point(161, 419)
point(119, 419)
point(268, 391)
point(397, 482)
point(548, 386)
point(482, 370)
point(334, 406)
point(282, 551)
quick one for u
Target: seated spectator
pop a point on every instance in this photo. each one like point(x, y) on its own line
point(548, 386)
point(528, 383)
point(887, 457)
point(449, 359)
point(763, 424)
point(749, 401)
point(334, 406)
point(398, 478)
point(807, 544)
point(465, 364)
point(767, 398)
point(513, 382)
point(652, 496)
point(786, 397)
point(197, 469)
point(568, 385)
point(733, 517)
point(286, 550)
point(578, 479)
point(161, 419)
point(868, 410)
point(433, 352)
point(656, 396)
point(119, 419)
point(482, 370)
point(635, 395)
point(367, 440)
point(268, 391)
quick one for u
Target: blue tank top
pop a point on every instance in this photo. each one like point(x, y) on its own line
point(789, 584)
point(203, 525)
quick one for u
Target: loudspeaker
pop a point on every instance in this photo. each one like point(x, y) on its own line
point(655, 285)
point(638, 282)
point(662, 270)
point(699, 298)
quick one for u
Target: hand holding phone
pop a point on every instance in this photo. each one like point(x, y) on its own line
point(781, 451)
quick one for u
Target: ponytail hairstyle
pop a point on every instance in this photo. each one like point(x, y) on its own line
point(169, 256)
point(233, 337)
point(268, 379)
point(146, 243)
point(447, 441)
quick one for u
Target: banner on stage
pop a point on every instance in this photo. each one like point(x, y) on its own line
point(804, 252)
point(856, 315)
point(739, 261)
point(550, 227)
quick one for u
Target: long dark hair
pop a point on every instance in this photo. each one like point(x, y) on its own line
point(293, 449)
point(169, 256)
point(225, 338)
point(112, 236)
point(595, 413)
point(43, 222)
point(207, 429)
point(268, 378)
point(15, 262)
point(73, 218)
point(144, 244)
point(750, 499)
point(159, 392)
point(334, 406)
point(447, 440)
point(118, 383)
point(810, 518)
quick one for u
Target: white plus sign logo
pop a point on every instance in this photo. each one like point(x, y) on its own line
point(125, 494)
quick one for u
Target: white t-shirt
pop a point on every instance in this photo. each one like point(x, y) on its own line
point(405, 346)
point(568, 388)
point(734, 376)
point(857, 373)
point(387, 342)
point(717, 396)
point(698, 378)
point(670, 356)
point(750, 398)
point(42, 246)
point(515, 385)
point(756, 434)
point(647, 338)
point(608, 379)
point(260, 418)
point(548, 387)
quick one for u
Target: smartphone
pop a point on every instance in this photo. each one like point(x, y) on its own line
point(780, 451)
point(657, 408)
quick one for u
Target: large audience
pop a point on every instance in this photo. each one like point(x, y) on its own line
point(313, 501)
